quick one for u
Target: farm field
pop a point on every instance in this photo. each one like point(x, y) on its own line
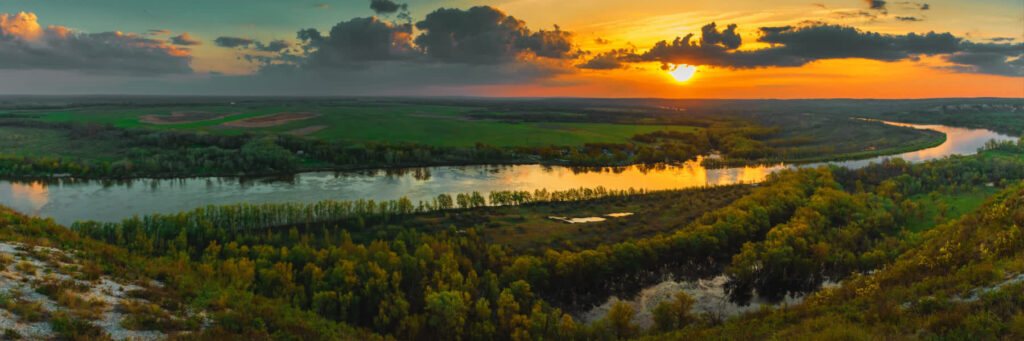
point(52, 143)
point(431, 125)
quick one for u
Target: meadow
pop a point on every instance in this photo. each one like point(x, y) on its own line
point(443, 126)
point(132, 137)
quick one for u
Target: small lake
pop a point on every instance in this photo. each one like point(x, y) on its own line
point(68, 201)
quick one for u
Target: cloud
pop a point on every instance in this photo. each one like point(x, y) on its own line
point(158, 32)
point(322, 6)
point(899, 18)
point(878, 5)
point(486, 35)
point(184, 39)
point(386, 6)
point(913, 5)
point(990, 58)
point(477, 46)
point(854, 14)
point(727, 38)
point(607, 60)
point(273, 46)
point(359, 39)
point(24, 44)
point(792, 46)
point(232, 42)
point(22, 25)
point(601, 41)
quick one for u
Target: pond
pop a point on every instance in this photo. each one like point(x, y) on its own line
point(67, 201)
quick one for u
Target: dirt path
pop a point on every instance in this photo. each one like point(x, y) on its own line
point(271, 120)
point(180, 117)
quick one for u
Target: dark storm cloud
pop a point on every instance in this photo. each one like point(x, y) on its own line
point(184, 39)
point(899, 18)
point(359, 39)
point(232, 42)
point(485, 35)
point(799, 45)
point(24, 44)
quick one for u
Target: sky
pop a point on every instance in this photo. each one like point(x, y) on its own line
point(515, 48)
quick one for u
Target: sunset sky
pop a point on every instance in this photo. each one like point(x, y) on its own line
point(515, 48)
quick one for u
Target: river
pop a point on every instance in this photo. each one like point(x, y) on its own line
point(67, 201)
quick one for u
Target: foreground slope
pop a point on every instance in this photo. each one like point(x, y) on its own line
point(57, 285)
point(963, 280)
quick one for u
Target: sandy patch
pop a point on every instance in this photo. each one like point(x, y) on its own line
point(306, 130)
point(271, 120)
point(179, 117)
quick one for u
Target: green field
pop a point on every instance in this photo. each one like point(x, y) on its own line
point(939, 207)
point(433, 125)
point(52, 143)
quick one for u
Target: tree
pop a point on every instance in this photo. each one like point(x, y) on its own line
point(620, 320)
point(674, 314)
point(446, 313)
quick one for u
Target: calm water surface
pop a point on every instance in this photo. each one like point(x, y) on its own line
point(68, 201)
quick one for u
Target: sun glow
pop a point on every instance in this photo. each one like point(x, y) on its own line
point(682, 72)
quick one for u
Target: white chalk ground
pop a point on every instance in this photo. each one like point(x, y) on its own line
point(708, 293)
point(18, 285)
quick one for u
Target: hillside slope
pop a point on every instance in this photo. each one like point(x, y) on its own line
point(963, 280)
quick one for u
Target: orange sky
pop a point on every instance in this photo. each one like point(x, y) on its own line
point(597, 26)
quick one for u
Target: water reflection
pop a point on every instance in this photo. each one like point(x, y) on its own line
point(67, 200)
point(32, 195)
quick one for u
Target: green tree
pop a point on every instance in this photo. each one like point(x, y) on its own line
point(674, 314)
point(447, 313)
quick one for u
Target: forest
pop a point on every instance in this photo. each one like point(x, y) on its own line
point(355, 270)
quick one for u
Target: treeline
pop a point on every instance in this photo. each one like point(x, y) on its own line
point(158, 153)
point(229, 222)
point(144, 152)
point(844, 232)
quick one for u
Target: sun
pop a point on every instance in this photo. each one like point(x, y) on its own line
point(682, 72)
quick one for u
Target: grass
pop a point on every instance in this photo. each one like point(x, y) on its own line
point(528, 227)
point(938, 207)
point(53, 143)
point(448, 126)
point(433, 125)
